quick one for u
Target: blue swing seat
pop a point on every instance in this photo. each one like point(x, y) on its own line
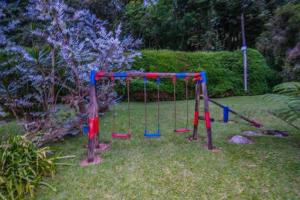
point(152, 135)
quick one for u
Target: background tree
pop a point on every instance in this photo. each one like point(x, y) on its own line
point(11, 54)
point(281, 41)
point(197, 25)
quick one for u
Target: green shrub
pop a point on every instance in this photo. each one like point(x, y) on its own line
point(224, 71)
point(22, 167)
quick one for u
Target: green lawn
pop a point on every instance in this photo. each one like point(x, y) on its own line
point(171, 168)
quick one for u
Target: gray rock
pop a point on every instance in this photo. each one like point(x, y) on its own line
point(251, 133)
point(238, 139)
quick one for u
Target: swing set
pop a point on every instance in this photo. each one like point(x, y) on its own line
point(93, 118)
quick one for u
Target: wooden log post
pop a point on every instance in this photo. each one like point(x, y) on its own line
point(206, 111)
point(196, 111)
point(96, 116)
point(93, 119)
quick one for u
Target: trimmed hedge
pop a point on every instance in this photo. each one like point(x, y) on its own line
point(224, 71)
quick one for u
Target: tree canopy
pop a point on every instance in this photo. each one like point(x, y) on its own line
point(197, 24)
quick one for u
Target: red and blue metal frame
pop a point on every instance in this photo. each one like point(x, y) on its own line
point(93, 121)
point(100, 74)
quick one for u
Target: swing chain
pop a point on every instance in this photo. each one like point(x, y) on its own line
point(128, 104)
point(145, 104)
point(174, 99)
point(187, 100)
point(114, 106)
point(158, 102)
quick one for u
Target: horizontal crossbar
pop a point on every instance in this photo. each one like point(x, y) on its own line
point(101, 74)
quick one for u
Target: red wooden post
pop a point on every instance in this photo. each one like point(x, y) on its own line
point(206, 112)
point(196, 111)
point(93, 124)
point(93, 121)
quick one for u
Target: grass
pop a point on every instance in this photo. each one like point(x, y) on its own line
point(10, 128)
point(171, 168)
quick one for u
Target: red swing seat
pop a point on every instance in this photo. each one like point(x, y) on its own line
point(182, 130)
point(118, 135)
point(121, 135)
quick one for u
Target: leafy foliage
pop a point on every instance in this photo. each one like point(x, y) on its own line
point(110, 10)
point(22, 167)
point(11, 54)
point(288, 94)
point(27, 78)
point(197, 25)
point(280, 42)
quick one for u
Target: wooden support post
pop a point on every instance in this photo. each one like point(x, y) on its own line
point(96, 115)
point(206, 112)
point(93, 121)
point(196, 111)
point(93, 124)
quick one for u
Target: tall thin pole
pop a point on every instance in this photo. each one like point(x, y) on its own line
point(244, 50)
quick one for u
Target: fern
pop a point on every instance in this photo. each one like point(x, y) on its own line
point(288, 94)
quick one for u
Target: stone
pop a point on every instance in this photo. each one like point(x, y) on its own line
point(238, 139)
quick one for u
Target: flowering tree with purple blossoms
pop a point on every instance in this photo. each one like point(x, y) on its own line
point(68, 44)
point(83, 43)
point(11, 55)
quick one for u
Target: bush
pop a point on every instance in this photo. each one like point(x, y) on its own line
point(224, 70)
point(22, 167)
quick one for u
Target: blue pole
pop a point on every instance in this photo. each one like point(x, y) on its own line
point(92, 78)
point(225, 114)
